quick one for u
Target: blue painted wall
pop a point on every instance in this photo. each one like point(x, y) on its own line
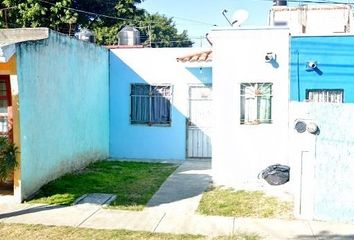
point(204, 74)
point(334, 192)
point(64, 107)
point(334, 147)
point(335, 58)
point(332, 153)
point(142, 141)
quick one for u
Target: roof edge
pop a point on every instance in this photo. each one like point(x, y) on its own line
point(202, 56)
point(15, 35)
point(6, 52)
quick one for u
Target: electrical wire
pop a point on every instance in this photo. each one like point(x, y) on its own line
point(119, 18)
point(311, 1)
point(176, 17)
point(87, 12)
point(195, 21)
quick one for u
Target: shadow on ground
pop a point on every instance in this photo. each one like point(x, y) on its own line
point(28, 211)
point(190, 180)
point(325, 235)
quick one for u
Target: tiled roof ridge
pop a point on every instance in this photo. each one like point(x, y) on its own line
point(203, 56)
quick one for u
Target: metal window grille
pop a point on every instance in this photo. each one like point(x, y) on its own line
point(325, 95)
point(150, 104)
point(256, 103)
point(5, 102)
point(4, 128)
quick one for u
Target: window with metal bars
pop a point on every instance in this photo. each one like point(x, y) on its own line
point(256, 103)
point(150, 104)
point(325, 95)
point(5, 103)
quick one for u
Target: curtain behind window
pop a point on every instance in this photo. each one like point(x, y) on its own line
point(264, 103)
point(150, 104)
point(256, 103)
point(140, 103)
point(161, 107)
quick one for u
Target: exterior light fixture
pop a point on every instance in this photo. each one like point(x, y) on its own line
point(270, 57)
point(311, 65)
point(312, 128)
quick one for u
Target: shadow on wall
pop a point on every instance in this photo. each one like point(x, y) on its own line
point(145, 122)
point(202, 73)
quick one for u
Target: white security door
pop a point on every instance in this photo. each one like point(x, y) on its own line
point(199, 122)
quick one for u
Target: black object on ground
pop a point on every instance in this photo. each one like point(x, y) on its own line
point(275, 174)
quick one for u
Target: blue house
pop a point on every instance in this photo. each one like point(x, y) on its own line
point(330, 78)
point(158, 105)
point(322, 96)
point(56, 104)
point(80, 102)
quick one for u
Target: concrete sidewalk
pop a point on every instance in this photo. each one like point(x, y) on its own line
point(172, 210)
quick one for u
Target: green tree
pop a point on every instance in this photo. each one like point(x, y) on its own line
point(117, 9)
point(104, 17)
point(34, 13)
point(155, 30)
point(161, 31)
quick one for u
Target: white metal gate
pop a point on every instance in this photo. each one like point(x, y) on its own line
point(199, 122)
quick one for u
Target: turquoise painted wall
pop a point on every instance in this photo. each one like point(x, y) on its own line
point(334, 147)
point(142, 141)
point(335, 65)
point(333, 153)
point(334, 192)
point(64, 107)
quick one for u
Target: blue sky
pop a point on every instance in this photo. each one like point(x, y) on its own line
point(209, 12)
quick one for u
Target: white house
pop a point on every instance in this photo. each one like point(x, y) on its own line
point(313, 18)
point(250, 89)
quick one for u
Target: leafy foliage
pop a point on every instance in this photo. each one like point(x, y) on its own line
point(8, 160)
point(35, 13)
point(160, 31)
point(60, 15)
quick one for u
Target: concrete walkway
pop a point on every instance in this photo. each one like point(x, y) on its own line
point(172, 210)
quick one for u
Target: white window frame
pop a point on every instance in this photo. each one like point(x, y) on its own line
point(255, 101)
point(325, 95)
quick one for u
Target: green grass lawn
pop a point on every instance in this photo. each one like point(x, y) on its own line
point(35, 232)
point(134, 183)
point(227, 202)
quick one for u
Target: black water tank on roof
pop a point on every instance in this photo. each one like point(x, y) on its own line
point(280, 3)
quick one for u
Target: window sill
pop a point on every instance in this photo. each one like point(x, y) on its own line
point(152, 124)
point(255, 123)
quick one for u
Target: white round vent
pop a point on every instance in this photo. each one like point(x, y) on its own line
point(312, 128)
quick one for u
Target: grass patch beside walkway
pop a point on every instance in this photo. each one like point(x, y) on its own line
point(134, 183)
point(35, 232)
point(227, 202)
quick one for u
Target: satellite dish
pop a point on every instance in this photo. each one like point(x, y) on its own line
point(239, 17)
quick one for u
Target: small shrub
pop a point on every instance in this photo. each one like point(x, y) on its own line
point(8, 160)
